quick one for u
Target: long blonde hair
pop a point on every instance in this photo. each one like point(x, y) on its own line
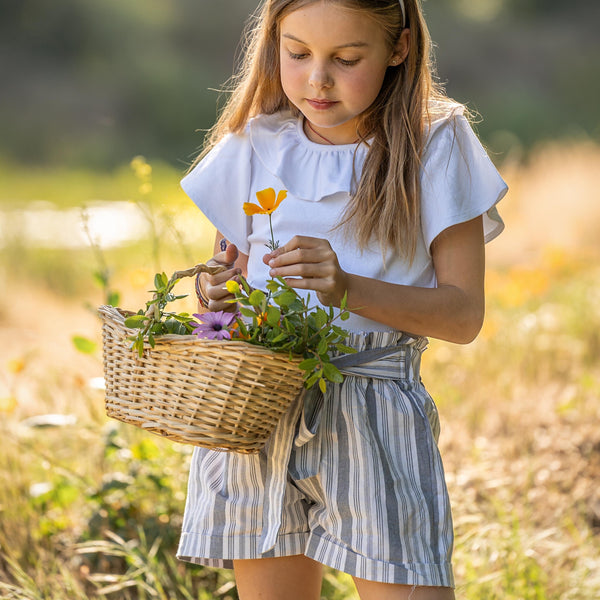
point(386, 201)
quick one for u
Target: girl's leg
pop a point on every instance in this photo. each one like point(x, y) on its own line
point(285, 578)
point(372, 590)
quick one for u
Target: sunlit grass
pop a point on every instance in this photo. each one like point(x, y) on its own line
point(92, 509)
point(69, 188)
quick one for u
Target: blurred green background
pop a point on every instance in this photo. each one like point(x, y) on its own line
point(94, 83)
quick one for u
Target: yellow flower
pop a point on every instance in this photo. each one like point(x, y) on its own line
point(267, 200)
point(141, 168)
point(8, 404)
point(15, 365)
point(145, 189)
point(233, 287)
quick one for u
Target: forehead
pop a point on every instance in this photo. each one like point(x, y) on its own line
point(331, 24)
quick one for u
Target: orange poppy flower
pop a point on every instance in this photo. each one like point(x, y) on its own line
point(267, 200)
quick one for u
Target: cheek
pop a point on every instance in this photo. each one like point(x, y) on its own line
point(366, 85)
point(291, 77)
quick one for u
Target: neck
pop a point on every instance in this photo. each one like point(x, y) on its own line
point(322, 139)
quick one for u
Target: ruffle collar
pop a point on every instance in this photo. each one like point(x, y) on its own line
point(308, 170)
point(312, 171)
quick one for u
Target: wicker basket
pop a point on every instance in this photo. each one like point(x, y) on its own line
point(225, 395)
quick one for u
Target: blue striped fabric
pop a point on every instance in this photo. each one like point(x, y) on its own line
point(353, 480)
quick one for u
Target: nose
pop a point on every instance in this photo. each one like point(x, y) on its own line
point(320, 77)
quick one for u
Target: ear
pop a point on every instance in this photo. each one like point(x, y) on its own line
point(401, 49)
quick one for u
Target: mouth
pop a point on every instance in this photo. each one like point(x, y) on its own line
point(320, 104)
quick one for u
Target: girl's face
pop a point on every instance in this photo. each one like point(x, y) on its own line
point(333, 62)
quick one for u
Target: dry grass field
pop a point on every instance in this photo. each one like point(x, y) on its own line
point(91, 508)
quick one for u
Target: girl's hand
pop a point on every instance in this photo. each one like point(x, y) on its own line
point(309, 263)
point(213, 286)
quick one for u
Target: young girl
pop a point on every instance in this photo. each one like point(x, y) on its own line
point(390, 199)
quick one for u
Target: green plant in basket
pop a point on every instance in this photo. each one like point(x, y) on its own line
point(281, 320)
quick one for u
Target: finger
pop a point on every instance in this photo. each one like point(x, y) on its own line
point(218, 292)
point(297, 242)
point(305, 270)
point(217, 305)
point(227, 257)
point(220, 278)
point(303, 256)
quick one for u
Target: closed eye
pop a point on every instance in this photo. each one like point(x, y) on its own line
point(348, 63)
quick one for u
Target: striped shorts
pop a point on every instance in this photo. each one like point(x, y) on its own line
point(353, 480)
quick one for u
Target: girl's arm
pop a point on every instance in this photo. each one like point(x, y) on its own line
point(452, 311)
point(213, 286)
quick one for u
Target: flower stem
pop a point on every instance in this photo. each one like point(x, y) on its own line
point(274, 245)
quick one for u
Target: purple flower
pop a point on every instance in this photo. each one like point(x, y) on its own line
point(214, 325)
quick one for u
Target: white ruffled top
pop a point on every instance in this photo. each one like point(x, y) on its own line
point(458, 183)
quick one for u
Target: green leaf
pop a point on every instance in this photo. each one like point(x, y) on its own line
point(341, 332)
point(320, 317)
point(182, 317)
point(135, 321)
point(245, 285)
point(289, 326)
point(322, 385)
point(160, 281)
point(344, 316)
point(257, 297)
point(84, 345)
point(174, 326)
point(273, 315)
point(310, 381)
point(297, 306)
point(100, 278)
point(346, 349)
point(138, 346)
point(247, 312)
point(273, 285)
point(113, 298)
point(285, 299)
point(322, 346)
point(308, 364)
point(332, 373)
point(344, 301)
point(280, 338)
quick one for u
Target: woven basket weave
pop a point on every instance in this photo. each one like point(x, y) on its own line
point(225, 395)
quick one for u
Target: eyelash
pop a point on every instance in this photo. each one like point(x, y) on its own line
point(345, 63)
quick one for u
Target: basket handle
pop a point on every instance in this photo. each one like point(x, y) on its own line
point(196, 270)
point(191, 272)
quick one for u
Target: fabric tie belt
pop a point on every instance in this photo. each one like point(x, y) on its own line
point(304, 417)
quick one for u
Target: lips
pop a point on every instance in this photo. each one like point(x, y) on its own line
point(320, 104)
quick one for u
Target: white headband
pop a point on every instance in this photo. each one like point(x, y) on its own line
point(403, 13)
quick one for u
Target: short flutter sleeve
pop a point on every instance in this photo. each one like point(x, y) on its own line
point(459, 181)
point(220, 184)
